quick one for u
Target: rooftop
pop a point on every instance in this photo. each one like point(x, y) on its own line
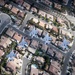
point(17, 37)
point(10, 32)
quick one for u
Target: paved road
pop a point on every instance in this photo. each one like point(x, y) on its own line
point(27, 17)
point(5, 20)
point(67, 58)
point(49, 10)
point(24, 65)
point(35, 38)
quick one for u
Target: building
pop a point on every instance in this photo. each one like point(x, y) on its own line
point(42, 13)
point(21, 14)
point(44, 47)
point(20, 2)
point(17, 37)
point(1, 53)
point(50, 16)
point(2, 2)
point(50, 52)
point(8, 6)
point(34, 44)
point(40, 59)
point(4, 41)
point(11, 65)
point(35, 20)
point(55, 68)
point(34, 70)
point(26, 5)
point(33, 9)
point(57, 6)
point(14, 10)
point(39, 32)
point(10, 32)
point(42, 24)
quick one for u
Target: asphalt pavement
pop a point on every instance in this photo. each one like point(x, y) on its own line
point(64, 70)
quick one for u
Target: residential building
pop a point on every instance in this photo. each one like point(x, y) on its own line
point(44, 47)
point(10, 32)
point(35, 20)
point(5, 41)
point(57, 6)
point(26, 5)
point(34, 71)
point(55, 68)
point(2, 2)
point(34, 44)
point(21, 13)
point(39, 31)
point(1, 53)
point(11, 65)
point(8, 6)
point(50, 16)
point(42, 13)
point(20, 2)
point(17, 37)
point(33, 9)
point(42, 24)
point(14, 10)
point(40, 59)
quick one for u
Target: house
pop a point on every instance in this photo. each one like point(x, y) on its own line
point(39, 32)
point(34, 70)
point(42, 13)
point(14, 62)
point(17, 37)
point(33, 9)
point(56, 65)
point(49, 26)
point(50, 16)
point(35, 20)
point(8, 6)
point(50, 51)
point(4, 41)
point(2, 2)
point(55, 29)
point(55, 68)
point(34, 44)
point(26, 5)
point(1, 53)
point(65, 1)
point(11, 66)
point(14, 10)
point(32, 50)
point(10, 32)
point(20, 2)
point(27, 40)
point(21, 13)
point(42, 24)
point(23, 44)
point(59, 55)
point(57, 6)
point(44, 47)
point(60, 20)
point(40, 59)
point(53, 39)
